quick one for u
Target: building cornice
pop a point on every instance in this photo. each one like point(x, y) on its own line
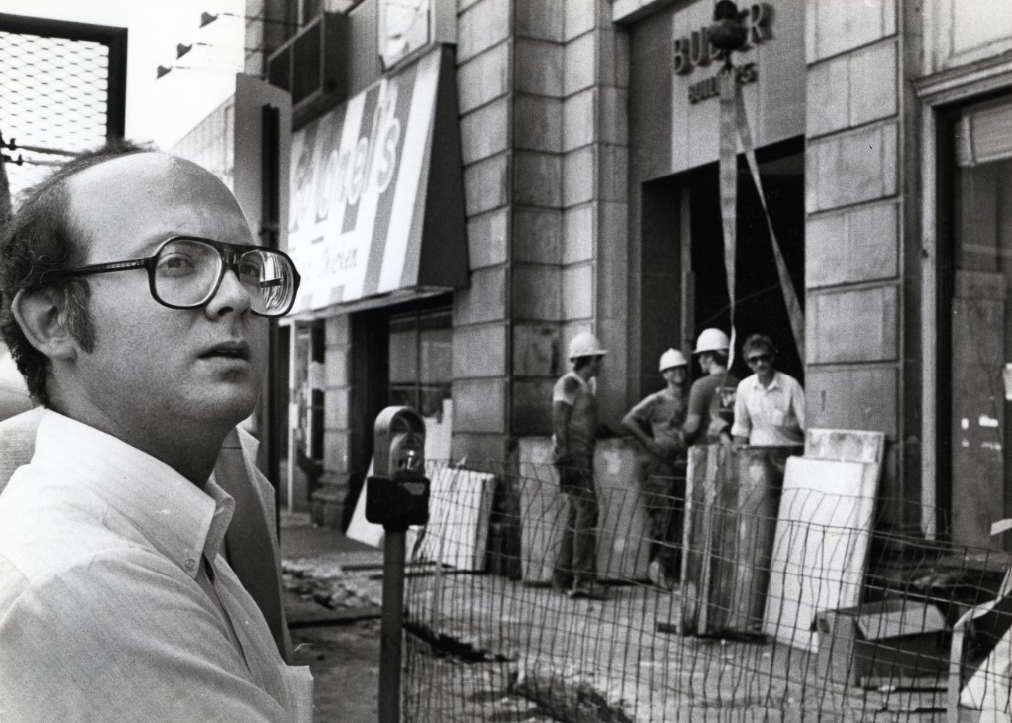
point(954, 84)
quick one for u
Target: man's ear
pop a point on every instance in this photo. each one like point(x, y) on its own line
point(41, 318)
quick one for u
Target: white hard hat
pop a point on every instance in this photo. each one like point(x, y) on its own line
point(585, 344)
point(672, 358)
point(712, 340)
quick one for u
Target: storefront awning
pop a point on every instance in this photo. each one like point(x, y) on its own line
point(374, 210)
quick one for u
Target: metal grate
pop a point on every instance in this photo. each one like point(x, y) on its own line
point(63, 92)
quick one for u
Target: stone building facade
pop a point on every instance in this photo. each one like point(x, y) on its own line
point(587, 165)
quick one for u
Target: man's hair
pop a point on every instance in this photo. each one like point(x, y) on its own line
point(758, 342)
point(583, 361)
point(719, 356)
point(38, 244)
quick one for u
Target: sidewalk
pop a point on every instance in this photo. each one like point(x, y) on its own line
point(328, 578)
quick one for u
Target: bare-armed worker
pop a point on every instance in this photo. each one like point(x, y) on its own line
point(574, 421)
point(656, 422)
point(703, 422)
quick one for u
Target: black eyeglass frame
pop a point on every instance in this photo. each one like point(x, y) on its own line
point(767, 357)
point(230, 255)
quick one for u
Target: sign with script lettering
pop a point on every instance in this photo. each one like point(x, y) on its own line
point(357, 180)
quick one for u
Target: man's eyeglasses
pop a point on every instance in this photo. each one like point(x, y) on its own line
point(756, 359)
point(185, 273)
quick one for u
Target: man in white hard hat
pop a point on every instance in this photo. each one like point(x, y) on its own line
point(574, 421)
point(703, 423)
point(657, 423)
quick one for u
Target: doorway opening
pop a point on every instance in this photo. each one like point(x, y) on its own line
point(760, 305)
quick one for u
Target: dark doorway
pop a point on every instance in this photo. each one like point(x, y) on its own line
point(760, 302)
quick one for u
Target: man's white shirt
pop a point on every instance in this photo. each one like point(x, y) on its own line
point(770, 416)
point(115, 602)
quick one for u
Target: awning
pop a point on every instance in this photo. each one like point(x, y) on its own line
point(363, 220)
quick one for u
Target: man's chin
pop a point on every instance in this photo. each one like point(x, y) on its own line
point(226, 404)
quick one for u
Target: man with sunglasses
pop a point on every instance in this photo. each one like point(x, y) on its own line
point(136, 304)
point(770, 405)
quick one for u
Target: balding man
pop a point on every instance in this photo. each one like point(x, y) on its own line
point(136, 305)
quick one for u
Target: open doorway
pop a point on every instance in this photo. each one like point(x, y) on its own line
point(760, 303)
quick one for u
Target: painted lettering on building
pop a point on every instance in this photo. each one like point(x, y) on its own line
point(355, 181)
point(710, 87)
point(370, 160)
point(695, 50)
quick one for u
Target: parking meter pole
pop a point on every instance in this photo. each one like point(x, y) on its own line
point(397, 496)
point(391, 627)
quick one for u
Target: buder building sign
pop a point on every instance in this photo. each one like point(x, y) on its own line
point(771, 69)
point(694, 50)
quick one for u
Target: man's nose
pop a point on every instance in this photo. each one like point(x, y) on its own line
point(231, 296)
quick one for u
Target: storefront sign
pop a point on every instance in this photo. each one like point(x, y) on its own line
point(770, 70)
point(357, 176)
point(694, 50)
point(710, 87)
point(404, 27)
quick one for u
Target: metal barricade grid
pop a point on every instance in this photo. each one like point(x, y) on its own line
point(484, 642)
point(63, 92)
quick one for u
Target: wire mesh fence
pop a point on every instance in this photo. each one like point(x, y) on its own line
point(789, 600)
point(63, 92)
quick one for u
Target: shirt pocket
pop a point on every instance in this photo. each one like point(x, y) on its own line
point(298, 685)
point(777, 417)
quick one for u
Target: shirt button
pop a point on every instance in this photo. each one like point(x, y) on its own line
point(191, 564)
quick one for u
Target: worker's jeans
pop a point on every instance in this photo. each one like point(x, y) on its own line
point(663, 488)
point(577, 559)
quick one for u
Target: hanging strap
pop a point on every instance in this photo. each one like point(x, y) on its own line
point(729, 188)
point(794, 313)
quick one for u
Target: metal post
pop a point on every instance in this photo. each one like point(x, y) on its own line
point(391, 627)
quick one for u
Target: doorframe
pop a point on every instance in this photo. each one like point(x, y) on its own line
point(943, 95)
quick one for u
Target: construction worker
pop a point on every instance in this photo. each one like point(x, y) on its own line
point(657, 423)
point(574, 420)
point(704, 423)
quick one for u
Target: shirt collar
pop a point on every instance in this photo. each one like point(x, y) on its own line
point(775, 382)
point(180, 520)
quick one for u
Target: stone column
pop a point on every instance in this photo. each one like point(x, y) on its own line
point(862, 297)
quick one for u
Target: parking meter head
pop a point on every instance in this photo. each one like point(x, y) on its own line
point(398, 442)
point(397, 493)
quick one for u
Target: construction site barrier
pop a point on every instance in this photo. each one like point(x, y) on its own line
point(799, 597)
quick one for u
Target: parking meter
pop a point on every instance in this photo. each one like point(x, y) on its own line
point(397, 496)
point(397, 493)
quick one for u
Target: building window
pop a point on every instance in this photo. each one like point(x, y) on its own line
point(980, 309)
point(421, 360)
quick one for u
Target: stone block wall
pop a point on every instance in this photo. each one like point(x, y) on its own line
point(595, 146)
point(541, 89)
point(480, 314)
point(861, 325)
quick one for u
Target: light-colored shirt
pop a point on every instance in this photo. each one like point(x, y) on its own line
point(573, 391)
point(770, 416)
point(115, 604)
